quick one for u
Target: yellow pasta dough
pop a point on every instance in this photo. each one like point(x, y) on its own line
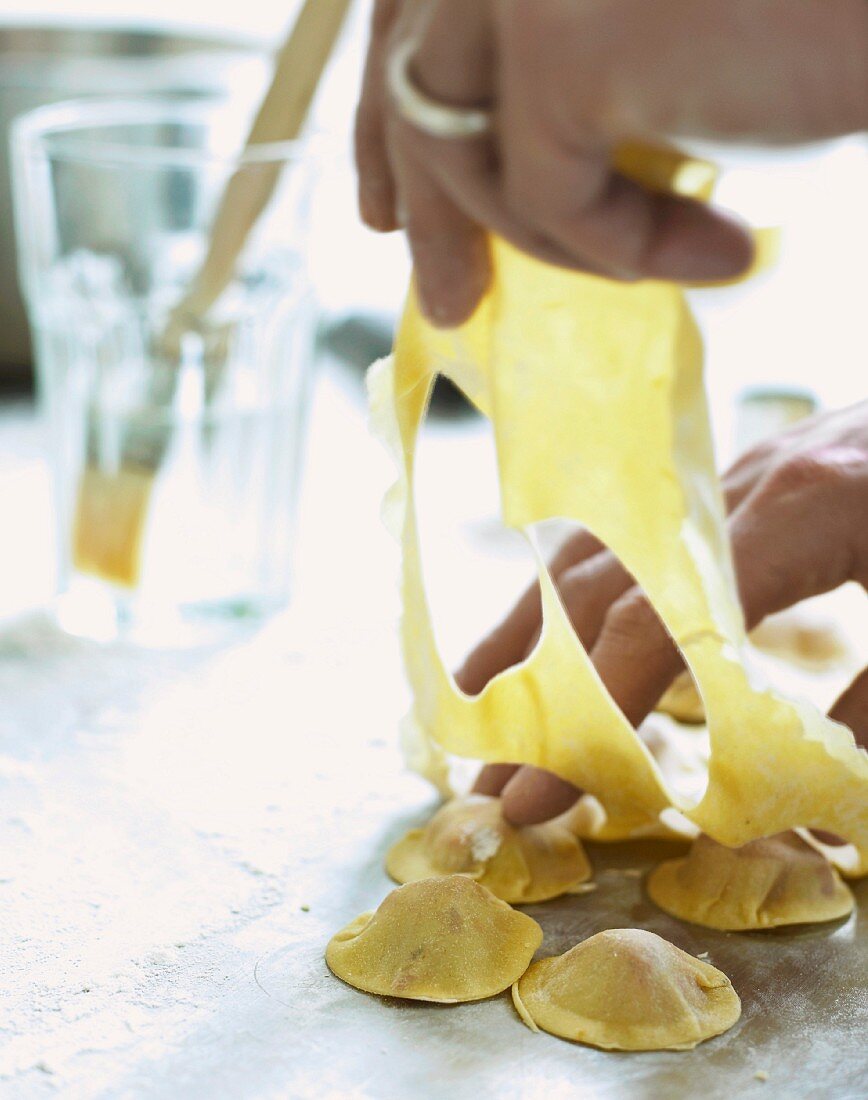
point(681, 754)
point(682, 701)
point(776, 881)
point(443, 939)
point(812, 647)
point(627, 989)
point(471, 836)
point(595, 394)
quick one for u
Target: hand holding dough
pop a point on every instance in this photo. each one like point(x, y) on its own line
point(776, 881)
point(443, 939)
point(470, 836)
point(548, 350)
point(627, 989)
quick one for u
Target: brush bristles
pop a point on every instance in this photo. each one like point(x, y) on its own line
point(109, 523)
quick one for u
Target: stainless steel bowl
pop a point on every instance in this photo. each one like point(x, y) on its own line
point(45, 64)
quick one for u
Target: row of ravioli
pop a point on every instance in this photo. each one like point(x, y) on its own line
point(450, 935)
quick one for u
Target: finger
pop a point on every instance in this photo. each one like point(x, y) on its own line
point(589, 589)
point(634, 655)
point(779, 560)
point(450, 251)
point(561, 180)
point(852, 708)
point(493, 778)
point(534, 795)
point(454, 63)
point(652, 236)
point(508, 643)
point(793, 537)
point(618, 229)
point(593, 213)
point(468, 172)
point(504, 647)
point(738, 486)
point(744, 474)
point(376, 182)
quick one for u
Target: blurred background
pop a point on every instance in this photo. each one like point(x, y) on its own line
point(63, 49)
point(799, 330)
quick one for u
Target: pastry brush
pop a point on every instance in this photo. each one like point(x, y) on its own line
point(114, 490)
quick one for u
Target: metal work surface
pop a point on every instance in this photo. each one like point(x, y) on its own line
point(804, 1001)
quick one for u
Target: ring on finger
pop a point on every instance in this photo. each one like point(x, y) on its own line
point(422, 111)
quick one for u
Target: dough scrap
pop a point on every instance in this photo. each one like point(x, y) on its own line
point(776, 881)
point(627, 989)
point(470, 836)
point(442, 939)
point(548, 350)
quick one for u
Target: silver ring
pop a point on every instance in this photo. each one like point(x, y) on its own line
point(427, 114)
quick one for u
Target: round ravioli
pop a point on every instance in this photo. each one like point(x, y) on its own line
point(775, 881)
point(470, 836)
point(627, 989)
point(443, 939)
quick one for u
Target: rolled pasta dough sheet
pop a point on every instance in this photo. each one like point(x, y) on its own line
point(596, 398)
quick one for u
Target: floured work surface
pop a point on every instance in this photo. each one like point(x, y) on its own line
point(163, 842)
point(163, 839)
point(804, 1010)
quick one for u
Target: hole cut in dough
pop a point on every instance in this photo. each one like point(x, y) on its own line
point(470, 836)
point(627, 989)
point(442, 939)
point(776, 881)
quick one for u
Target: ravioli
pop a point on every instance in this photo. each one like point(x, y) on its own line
point(779, 880)
point(470, 836)
point(443, 939)
point(627, 989)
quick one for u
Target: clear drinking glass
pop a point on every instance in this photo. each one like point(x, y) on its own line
point(175, 436)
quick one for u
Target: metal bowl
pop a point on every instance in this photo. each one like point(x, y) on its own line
point(47, 63)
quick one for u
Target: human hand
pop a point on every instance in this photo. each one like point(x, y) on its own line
point(567, 83)
point(797, 523)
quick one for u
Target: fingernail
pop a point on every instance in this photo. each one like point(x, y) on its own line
point(374, 211)
point(440, 313)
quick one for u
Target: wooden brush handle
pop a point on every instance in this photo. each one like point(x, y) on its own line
point(281, 117)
